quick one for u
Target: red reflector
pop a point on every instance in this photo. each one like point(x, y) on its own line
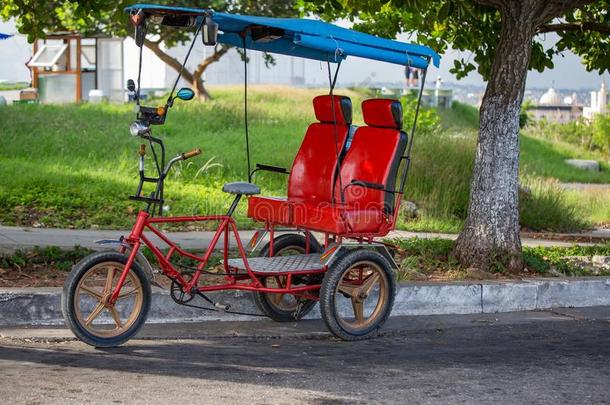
point(328, 253)
point(254, 239)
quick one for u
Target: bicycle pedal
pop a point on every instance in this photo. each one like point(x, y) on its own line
point(222, 307)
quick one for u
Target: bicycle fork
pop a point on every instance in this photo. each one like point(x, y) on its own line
point(134, 239)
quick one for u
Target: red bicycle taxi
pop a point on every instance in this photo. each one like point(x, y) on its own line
point(316, 244)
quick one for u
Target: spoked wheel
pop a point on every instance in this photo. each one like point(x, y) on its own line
point(285, 307)
point(357, 295)
point(85, 300)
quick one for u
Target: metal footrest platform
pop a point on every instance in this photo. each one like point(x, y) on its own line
point(280, 264)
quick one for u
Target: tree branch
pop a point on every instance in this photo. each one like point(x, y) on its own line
point(584, 26)
point(215, 57)
point(556, 8)
point(200, 89)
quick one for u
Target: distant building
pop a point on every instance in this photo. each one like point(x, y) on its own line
point(553, 108)
point(599, 103)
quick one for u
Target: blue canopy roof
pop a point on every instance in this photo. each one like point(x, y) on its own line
point(304, 38)
point(4, 36)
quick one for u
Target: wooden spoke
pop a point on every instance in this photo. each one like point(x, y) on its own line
point(358, 307)
point(94, 314)
point(348, 289)
point(369, 283)
point(116, 317)
point(103, 276)
point(92, 292)
point(109, 278)
point(364, 283)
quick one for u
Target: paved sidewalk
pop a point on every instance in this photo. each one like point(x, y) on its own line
point(14, 238)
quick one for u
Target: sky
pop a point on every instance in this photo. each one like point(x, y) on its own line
point(568, 73)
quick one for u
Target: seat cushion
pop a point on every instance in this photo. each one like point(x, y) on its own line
point(382, 113)
point(241, 187)
point(313, 173)
point(333, 108)
point(337, 219)
point(269, 209)
point(375, 157)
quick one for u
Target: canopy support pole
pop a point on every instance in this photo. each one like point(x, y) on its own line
point(137, 95)
point(332, 81)
point(186, 58)
point(246, 105)
point(412, 135)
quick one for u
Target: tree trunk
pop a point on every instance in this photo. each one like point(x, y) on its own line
point(490, 237)
point(195, 77)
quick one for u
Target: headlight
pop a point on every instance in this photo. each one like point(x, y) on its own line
point(138, 128)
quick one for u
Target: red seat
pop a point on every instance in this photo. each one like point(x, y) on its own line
point(314, 169)
point(336, 218)
point(269, 209)
point(373, 157)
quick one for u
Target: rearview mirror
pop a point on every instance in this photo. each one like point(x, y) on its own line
point(185, 94)
point(209, 32)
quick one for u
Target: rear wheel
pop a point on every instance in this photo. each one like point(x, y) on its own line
point(285, 307)
point(85, 300)
point(357, 295)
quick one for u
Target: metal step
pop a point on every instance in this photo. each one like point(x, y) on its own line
point(280, 264)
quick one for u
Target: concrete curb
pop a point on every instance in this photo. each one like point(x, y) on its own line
point(42, 306)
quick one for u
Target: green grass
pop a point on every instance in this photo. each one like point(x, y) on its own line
point(460, 116)
point(542, 260)
point(422, 259)
point(49, 257)
point(545, 158)
point(419, 259)
point(442, 189)
point(13, 86)
point(75, 165)
point(594, 203)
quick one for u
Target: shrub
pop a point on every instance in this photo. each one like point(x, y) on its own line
point(428, 119)
point(601, 133)
point(593, 135)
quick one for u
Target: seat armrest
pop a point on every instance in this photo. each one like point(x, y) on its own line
point(270, 168)
point(368, 184)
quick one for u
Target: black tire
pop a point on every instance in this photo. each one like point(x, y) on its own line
point(331, 298)
point(72, 310)
point(264, 301)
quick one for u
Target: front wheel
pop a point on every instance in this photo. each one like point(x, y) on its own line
point(85, 300)
point(357, 295)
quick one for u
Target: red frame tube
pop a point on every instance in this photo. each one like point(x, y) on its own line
point(235, 280)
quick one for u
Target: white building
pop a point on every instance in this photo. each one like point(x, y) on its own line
point(599, 103)
point(551, 107)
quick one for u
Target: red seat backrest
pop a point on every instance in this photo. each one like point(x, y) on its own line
point(374, 156)
point(314, 169)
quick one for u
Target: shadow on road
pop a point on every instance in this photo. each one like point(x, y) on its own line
point(541, 362)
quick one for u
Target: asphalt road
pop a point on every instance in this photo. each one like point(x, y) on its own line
point(13, 238)
point(534, 357)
